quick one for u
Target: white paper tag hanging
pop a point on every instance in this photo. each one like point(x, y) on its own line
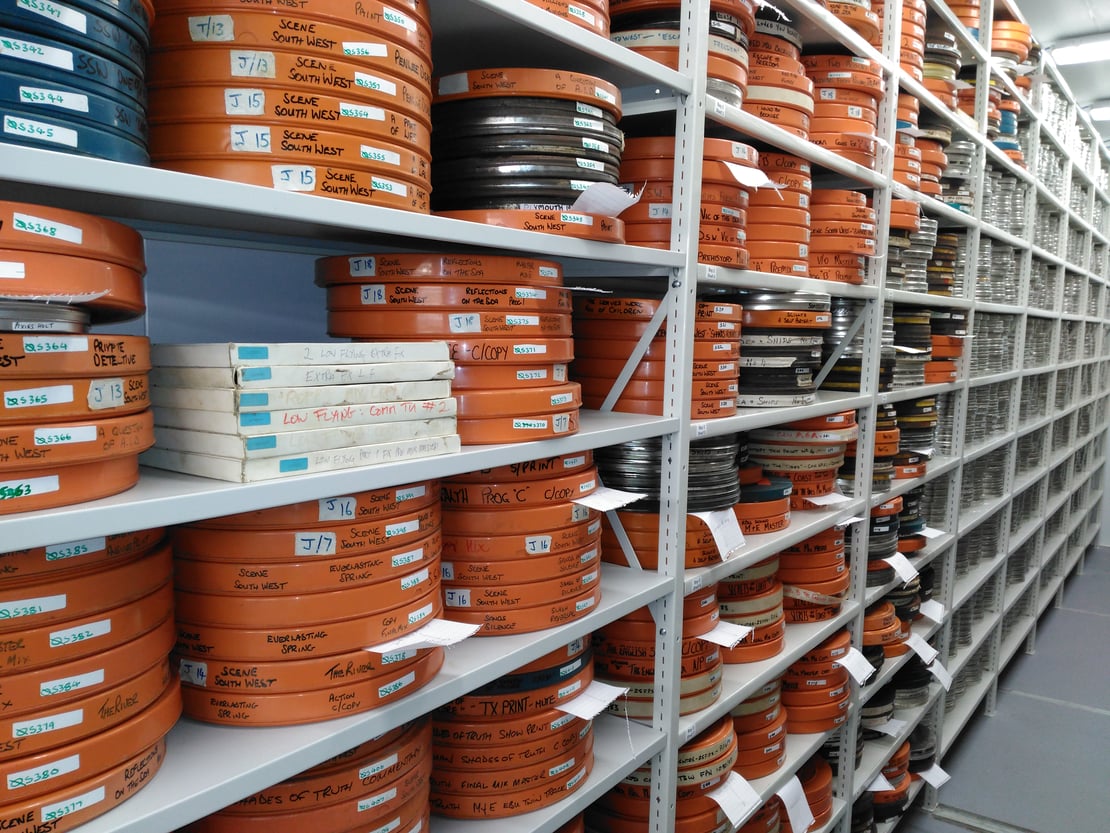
point(929, 532)
point(797, 807)
point(830, 500)
point(727, 634)
point(748, 177)
point(892, 727)
point(880, 784)
point(857, 665)
point(605, 199)
point(593, 701)
point(938, 670)
point(933, 610)
point(725, 529)
point(935, 777)
point(439, 633)
point(603, 499)
point(922, 648)
point(737, 798)
point(902, 566)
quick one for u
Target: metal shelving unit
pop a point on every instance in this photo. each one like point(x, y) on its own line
point(208, 766)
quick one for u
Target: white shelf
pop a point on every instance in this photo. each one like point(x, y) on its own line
point(721, 276)
point(747, 419)
point(1013, 642)
point(209, 767)
point(968, 584)
point(980, 633)
point(162, 498)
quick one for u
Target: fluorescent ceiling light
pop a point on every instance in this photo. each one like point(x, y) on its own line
point(1099, 113)
point(1084, 52)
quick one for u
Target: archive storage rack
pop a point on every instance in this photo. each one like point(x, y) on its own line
point(1028, 422)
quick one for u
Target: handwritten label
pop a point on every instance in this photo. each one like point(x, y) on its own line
point(29, 224)
point(314, 543)
point(72, 549)
point(361, 111)
point(249, 138)
point(78, 102)
point(373, 82)
point(52, 688)
point(53, 812)
point(16, 126)
point(397, 685)
point(250, 63)
point(364, 49)
point(38, 53)
point(336, 509)
point(293, 177)
point(244, 102)
point(20, 608)
point(12, 489)
point(80, 633)
point(386, 157)
point(105, 393)
point(212, 28)
point(44, 772)
point(55, 344)
point(45, 725)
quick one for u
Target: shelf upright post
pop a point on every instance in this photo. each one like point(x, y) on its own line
point(675, 453)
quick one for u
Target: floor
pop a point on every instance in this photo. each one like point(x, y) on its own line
point(1040, 765)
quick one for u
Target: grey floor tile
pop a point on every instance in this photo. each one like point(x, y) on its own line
point(1036, 764)
point(918, 821)
point(1089, 592)
point(1069, 661)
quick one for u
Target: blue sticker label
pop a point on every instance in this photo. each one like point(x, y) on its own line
point(253, 353)
point(293, 464)
point(261, 443)
point(254, 400)
point(256, 374)
point(254, 420)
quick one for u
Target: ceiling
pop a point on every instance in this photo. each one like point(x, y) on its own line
point(1054, 21)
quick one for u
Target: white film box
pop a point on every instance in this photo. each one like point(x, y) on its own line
point(234, 354)
point(300, 375)
point(235, 400)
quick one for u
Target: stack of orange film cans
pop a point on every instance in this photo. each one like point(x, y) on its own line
point(86, 630)
point(641, 530)
point(530, 179)
point(651, 27)
point(968, 13)
point(704, 764)
point(753, 598)
point(816, 691)
point(815, 576)
point(74, 406)
point(844, 231)
point(633, 636)
point(907, 162)
point(309, 99)
point(379, 784)
point(522, 556)
point(507, 321)
point(845, 123)
point(630, 663)
point(883, 628)
point(779, 217)
point(912, 46)
point(1011, 39)
point(859, 17)
point(648, 164)
point(592, 15)
point(270, 603)
point(760, 722)
point(892, 803)
point(607, 329)
point(778, 90)
point(816, 777)
point(807, 452)
point(507, 748)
